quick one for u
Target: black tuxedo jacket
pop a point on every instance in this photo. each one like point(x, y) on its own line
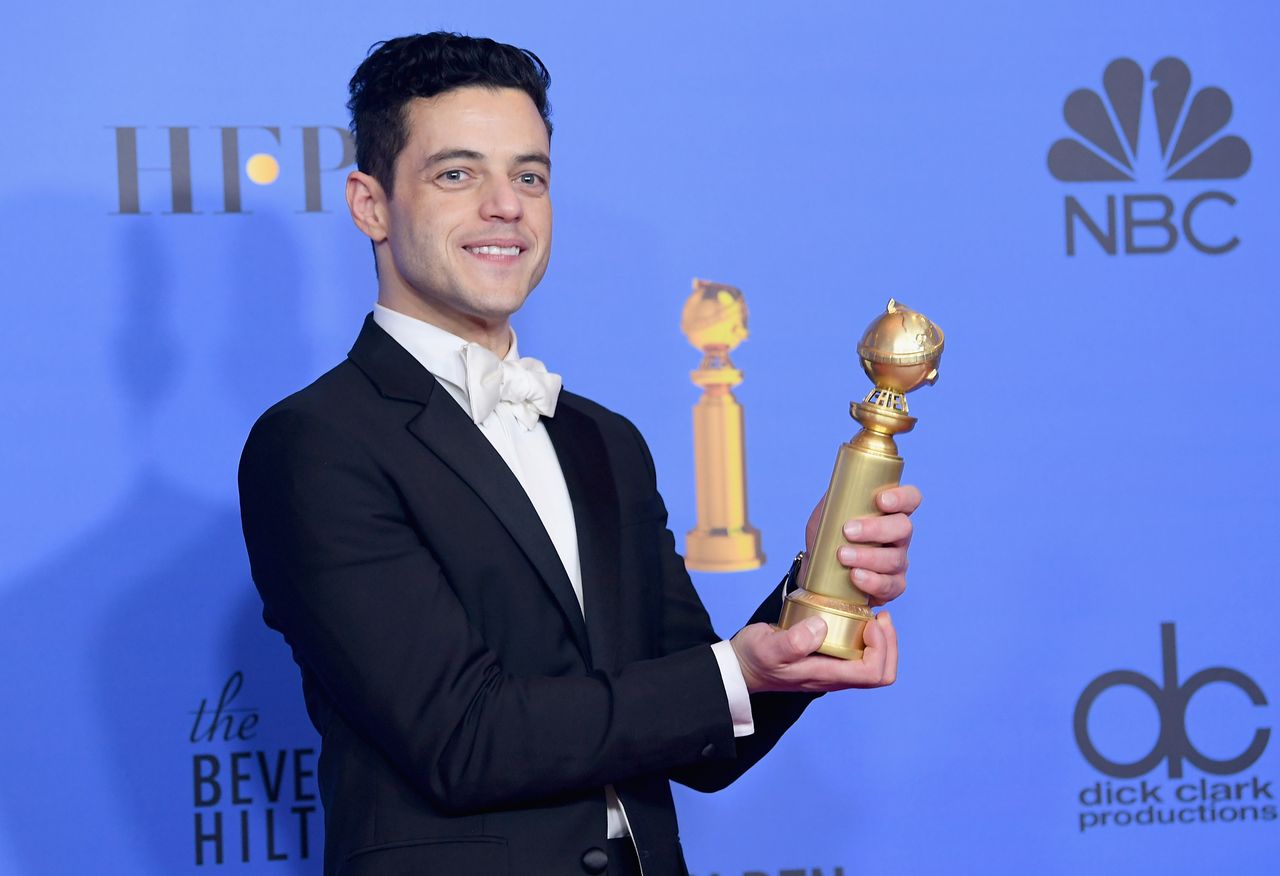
point(469, 716)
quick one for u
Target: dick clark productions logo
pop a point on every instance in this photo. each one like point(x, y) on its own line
point(1107, 803)
point(1180, 140)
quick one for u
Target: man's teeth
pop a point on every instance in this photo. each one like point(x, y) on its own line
point(495, 250)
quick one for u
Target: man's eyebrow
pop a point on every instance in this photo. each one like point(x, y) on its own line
point(472, 155)
point(453, 155)
point(534, 158)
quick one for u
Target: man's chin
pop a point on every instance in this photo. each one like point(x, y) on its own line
point(496, 309)
point(499, 304)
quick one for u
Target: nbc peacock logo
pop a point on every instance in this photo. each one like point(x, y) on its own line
point(1180, 139)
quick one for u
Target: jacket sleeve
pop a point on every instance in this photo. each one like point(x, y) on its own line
point(367, 611)
point(772, 713)
point(686, 623)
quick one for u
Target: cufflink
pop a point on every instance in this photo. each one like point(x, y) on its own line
point(791, 580)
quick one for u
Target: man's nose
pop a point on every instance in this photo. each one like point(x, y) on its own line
point(501, 201)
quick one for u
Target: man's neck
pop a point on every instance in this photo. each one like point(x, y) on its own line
point(496, 336)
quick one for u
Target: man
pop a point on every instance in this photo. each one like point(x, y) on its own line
point(499, 644)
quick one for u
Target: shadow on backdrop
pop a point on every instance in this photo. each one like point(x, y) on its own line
point(125, 632)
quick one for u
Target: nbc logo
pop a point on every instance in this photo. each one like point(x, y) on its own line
point(1117, 140)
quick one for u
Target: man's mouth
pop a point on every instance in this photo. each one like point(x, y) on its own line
point(493, 250)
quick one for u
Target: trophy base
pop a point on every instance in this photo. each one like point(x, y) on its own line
point(723, 550)
point(845, 621)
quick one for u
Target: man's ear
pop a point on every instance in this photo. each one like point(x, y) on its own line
point(368, 205)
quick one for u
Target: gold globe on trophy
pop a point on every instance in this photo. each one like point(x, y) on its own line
point(900, 351)
point(715, 322)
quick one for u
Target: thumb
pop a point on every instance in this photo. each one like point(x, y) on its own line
point(802, 639)
point(873, 635)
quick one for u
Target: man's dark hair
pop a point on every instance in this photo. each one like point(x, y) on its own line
point(424, 65)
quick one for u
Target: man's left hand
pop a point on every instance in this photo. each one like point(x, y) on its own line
point(784, 660)
point(877, 564)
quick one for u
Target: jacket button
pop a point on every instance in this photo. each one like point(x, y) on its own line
point(708, 750)
point(595, 861)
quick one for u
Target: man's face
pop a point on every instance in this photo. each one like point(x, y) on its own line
point(469, 222)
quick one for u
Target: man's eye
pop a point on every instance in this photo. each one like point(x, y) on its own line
point(530, 179)
point(454, 175)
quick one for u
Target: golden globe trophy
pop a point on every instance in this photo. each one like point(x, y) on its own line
point(900, 352)
point(715, 321)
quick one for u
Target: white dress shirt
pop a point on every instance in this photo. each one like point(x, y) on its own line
point(530, 455)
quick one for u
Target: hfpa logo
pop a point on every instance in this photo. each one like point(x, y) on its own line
point(172, 157)
point(1111, 130)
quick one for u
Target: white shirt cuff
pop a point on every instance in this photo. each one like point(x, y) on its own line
point(735, 688)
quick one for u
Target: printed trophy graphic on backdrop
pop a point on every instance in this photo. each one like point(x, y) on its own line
point(715, 321)
point(900, 352)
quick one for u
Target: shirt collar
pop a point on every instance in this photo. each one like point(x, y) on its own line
point(440, 352)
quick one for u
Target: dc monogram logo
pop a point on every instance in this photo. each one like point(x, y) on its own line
point(1171, 702)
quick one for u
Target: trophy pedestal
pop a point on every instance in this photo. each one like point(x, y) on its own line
point(845, 621)
point(864, 467)
point(723, 550)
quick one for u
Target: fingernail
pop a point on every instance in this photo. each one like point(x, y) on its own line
point(888, 501)
point(817, 628)
point(847, 555)
point(853, 529)
point(860, 576)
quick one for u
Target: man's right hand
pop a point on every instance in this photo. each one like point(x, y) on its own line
point(784, 660)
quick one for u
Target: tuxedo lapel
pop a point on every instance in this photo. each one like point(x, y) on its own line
point(448, 432)
point(585, 462)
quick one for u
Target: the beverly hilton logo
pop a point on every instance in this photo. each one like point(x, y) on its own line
point(1180, 139)
point(251, 804)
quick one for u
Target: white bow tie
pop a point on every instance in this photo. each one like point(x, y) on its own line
point(524, 382)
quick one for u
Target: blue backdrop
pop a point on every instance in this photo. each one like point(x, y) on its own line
point(1098, 460)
